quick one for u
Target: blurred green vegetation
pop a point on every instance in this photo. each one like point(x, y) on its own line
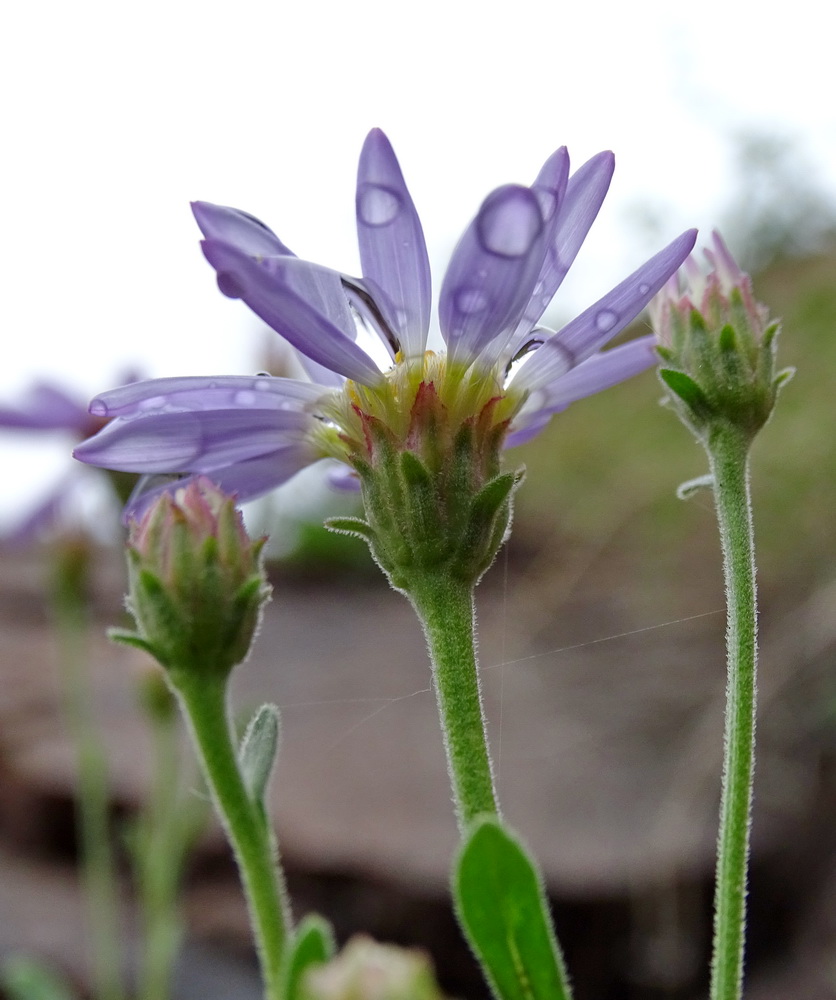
point(601, 479)
point(605, 471)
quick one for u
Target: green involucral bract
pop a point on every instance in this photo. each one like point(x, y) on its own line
point(426, 445)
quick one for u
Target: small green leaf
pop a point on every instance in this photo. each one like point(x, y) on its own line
point(312, 945)
point(23, 978)
point(502, 907)
point(687, 389)
point(258, 751)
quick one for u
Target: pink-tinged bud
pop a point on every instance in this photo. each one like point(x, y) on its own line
point(196, 582)
point(718, 345)
point(373, 971)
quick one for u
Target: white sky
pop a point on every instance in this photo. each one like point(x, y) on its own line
point(115, 116)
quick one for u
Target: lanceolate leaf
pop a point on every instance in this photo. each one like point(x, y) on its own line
point(502, 907)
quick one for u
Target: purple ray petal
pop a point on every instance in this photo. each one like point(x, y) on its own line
point(197, 441)
point(586, 334)
point(244, 231)
point(579, 208)
point(392, 247)
point(321, 287)
point(550, 186)
point(246, 480)
point(199, 392)
point(528, 430)
point(266, 292)
point(45, 407)
point(601, 371)
point(492, 271)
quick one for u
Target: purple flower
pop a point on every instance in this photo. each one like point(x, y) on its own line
point(43, 409)
point(252, 434)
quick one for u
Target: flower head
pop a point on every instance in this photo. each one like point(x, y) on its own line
point(196, 584)
point(502, 375)
point(253, 433)
point(45, 409)
point(718, 344)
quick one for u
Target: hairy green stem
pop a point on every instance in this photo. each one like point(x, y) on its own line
point(728, 453)
point(204, 702)
point(445, 608)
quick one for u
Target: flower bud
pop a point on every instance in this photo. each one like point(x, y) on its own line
point(366, 970)
point(196, 582)
point(719, 344)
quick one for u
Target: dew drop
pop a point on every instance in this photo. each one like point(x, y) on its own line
point(260, 383)
point(606, 320)
point(377, 206)
point(471, 301)
point(548, 202)
point(510, 222)
point(98, 408)
point(644, 289)
point(244, 398)
point(153, 403)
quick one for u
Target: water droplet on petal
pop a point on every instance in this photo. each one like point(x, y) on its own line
point(471, 301)
point(644, 289)
point(260, 382)
point(244, 398)
point(606, 320)
point(377, 206)
point(548, 202)
point(510, 221)
point(98, 408)
point(153, 403)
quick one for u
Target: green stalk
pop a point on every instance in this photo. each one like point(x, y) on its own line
point(164, 832)
point(99, 876)
point(445, 607)
point(728, 452)
point(204, 702)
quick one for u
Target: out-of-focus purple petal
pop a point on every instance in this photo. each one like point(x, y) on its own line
point(246, 480)
point(267, 293)
point(393, 252)
point(601, 371)
point(44, 517)
point(242, 230)
point(197, 441)
point(198, 392)
point(528, 430)
point(586, 334)
point(344, 478)
point(578, 209)
point(45, 407)
point(492, 272)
